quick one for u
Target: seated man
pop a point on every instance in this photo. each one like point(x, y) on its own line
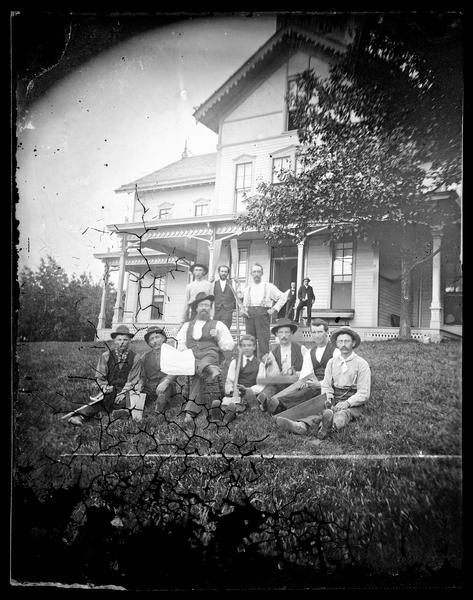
point(345, 389)
point(206, 338)
point(250, 370)
point(118, 372)
point(312, 373)
point(285, 359)
point(157, 386)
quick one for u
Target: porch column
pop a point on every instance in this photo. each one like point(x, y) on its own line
point(300, 263)
point(436, 309)
point(103, 304)
point(211, 255)
point(118, 309)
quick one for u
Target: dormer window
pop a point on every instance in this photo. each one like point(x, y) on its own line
point(200, 210)
point(164, 213)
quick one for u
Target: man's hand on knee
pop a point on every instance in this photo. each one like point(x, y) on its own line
point(341, 406)
point(162, 387)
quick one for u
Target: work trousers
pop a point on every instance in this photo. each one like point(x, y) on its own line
point(299, 308)
point(107, 405)
point(310, 412)
point(224, 315)
point(159, 401)
point(257, 324)
point(196, 402)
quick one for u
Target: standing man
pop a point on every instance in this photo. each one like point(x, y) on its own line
point(199, 284)
point(157, 386)
point(258, 306)
point(306, 298)
point(118, 372)
point(345, 389)
point(206, 338)
point(291, 301)
point(224, 297)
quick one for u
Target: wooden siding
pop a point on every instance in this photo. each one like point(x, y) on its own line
point(389, 300)
point(317, 268)
point(363, 288)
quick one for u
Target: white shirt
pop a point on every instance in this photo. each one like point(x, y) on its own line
point(308, 367)
point(224, 337)
point(223, 283)
point(257, 388)
point(286, 359)
point(254, 295)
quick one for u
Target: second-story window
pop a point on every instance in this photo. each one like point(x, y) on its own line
point(282, 162)
point(292, 120)
point(243, 176)
point(200, 210)
point(164, 213)
point(342, 274)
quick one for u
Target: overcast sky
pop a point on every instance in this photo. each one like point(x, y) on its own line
point(120, 116)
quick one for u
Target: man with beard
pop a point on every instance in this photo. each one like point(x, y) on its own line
point(199, 284)
point(118, 373)
point(157, 386)
point(224, 297)
point(306, 298)
point(207, 338)
point(258, 307)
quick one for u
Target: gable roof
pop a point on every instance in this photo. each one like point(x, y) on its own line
point(269, 57)
point(192, 170)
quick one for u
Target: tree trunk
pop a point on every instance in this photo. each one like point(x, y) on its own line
point(405, 320)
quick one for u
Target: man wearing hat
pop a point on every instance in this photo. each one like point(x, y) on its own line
point(345, 389)
point(195, 287)
point(306, 298)
point(157, 386)
point(206, 338)
point(224, 297)
point(286, 358)
point(118, 372)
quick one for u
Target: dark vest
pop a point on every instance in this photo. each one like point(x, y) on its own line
point(248, 373)
point(224, 299)
point(319, 367)
point(152, 368)
point(117, 372)
point(206, 341)
point(296, 356)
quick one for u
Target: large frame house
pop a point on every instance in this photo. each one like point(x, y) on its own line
point(186, 211)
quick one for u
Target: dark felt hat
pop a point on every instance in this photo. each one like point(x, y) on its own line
point(206, 269)
point(305, 279)
point(201, 296)
point(356, 338)
point(284, 323)
point(121, 330)
point(154, 329)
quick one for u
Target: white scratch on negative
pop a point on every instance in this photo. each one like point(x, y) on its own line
point(268, 456)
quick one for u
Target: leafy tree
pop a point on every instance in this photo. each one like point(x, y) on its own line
point(379, 137)
point(54, 307)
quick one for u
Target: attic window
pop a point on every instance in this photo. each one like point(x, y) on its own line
point(164, 213)
point(201, 210)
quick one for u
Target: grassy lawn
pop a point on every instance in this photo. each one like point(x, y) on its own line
point(106, 518)
point(415, 407)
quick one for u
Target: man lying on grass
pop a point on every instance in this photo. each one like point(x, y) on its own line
point(286, 358)
point(118, 372)
point(311, 374)
point(251, 369)
point(345, 389)
point(157, 385)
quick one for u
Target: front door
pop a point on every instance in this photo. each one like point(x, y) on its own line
point(283, 269)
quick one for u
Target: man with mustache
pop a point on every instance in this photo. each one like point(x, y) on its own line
point(345, 389)
point(199, 284)
point(157, 385)
point(224, 297)
point(207, 338)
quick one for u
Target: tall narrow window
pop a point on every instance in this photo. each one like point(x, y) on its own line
point(243, 176)
point(242, 265)
point(200, 210)
point(157, 305)
point(342, 272)
point(292, 120)
point(282, 162)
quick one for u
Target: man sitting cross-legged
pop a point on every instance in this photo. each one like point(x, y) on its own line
point(345, 389)
point(118, 372)
point(285, 359)
point(206, 338)
point(312, 373)
point(157, 386)
point(251, 369)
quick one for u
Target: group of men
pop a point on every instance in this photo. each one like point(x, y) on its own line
point(317, 390)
